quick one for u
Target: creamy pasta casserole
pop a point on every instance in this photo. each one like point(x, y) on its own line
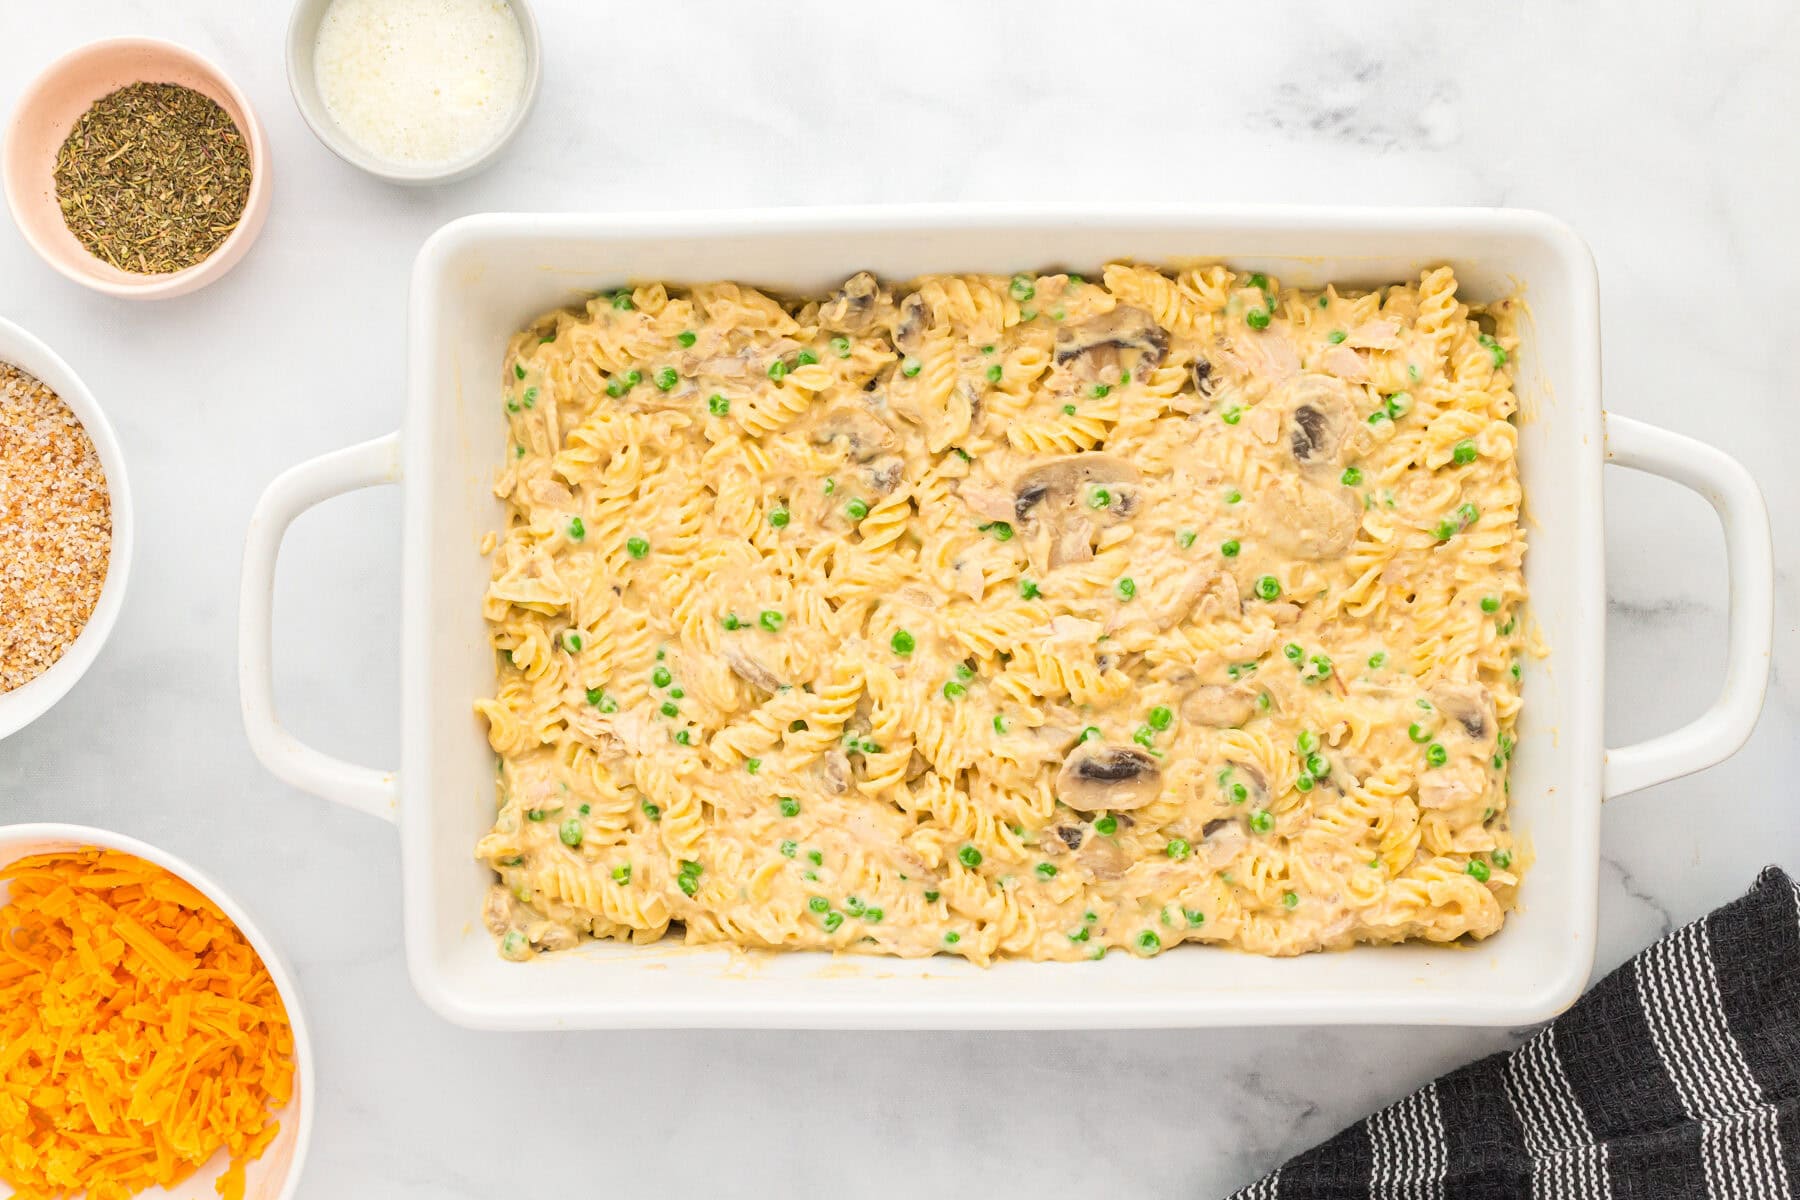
point(1034, 616)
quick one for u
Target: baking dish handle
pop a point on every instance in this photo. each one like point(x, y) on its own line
point(293, 492)
point(1750, 571)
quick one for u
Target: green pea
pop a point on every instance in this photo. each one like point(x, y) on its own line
point(994, 373)
point(872, 916)
point(1233, 496)
point(753, 765)
point(951, 938)
point(1377, 660)
point(652, 811)
point(637, 547)
point(1290, 899)
point(666, 379)
point(790, 807)
point(669, 709)
point(1230, 547)
point(816, 858)
point(1268, 587)
point(910, 366)
point(856, 510)
point(1001, 531)
point(1001, 724)
point(1490, 604)
point(818, 904)
point(717, 405)
point(570, 832)
point(600, 700)
point(687, 338)
point(806, 358)
point(771, 620)
point(1445, 530)
point(660, 677)
point(531, 395)
point(1351, 477)
point(780, 517)
point(1029, 590)
point(1047, 870)
point(1022, 288)
point(840, 346)
point(969, 857)
point(1321, 668)
point(731, 621)
point(1144, 736)
point(1336, 337)
point(683, 737)
point(1495, 350)
point(1318, 766)
point(953, 689)
point(830, 485)
point(902, 643)
point(518, 370)
point(1106, 826)
point(577, 529)
point(1160, 717)
point(1502, 859)
point(1231, 414)
point(778, 370)
point(1178, 849)
point(1090, 733)
point(1068, 410)
point(1099, 498)
point(1463, 453)
point(621, 300)
point(1294, 652)
point(1257, 318)
point(789, 848)
point(1303, 782)
point(1307, 742)
point(1478, 870)
point(1436, 755)
point(1185, 538)
point(1126, 588)
point(1194, 917)
point(931, 897)
point(1418, 732)
point(621, 875)
point(1259, 281)
point(1262, 821)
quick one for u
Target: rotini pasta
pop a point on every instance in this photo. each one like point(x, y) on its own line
point(1008, 617)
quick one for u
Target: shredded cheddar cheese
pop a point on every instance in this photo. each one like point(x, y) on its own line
point(139, 1032)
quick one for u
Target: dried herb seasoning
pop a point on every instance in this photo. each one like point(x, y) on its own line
point(153, 178)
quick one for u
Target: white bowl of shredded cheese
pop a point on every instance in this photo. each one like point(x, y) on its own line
point(414, 91)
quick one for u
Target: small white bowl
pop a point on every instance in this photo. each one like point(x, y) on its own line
point(303, 34)
point(25, 704)
point(276, 1174)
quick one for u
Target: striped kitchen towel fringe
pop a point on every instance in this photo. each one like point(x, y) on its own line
point(1678, 1076)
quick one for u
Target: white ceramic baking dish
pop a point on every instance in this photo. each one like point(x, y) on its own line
point(480, 278)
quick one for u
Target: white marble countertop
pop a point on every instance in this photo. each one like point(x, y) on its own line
point(1669, 142)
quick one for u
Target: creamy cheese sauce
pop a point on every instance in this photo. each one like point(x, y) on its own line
point(1008, 617)
point(420, 82)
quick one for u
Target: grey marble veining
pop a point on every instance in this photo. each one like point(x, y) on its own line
point(1667, 139)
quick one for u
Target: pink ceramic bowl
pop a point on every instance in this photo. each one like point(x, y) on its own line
point(49, 109)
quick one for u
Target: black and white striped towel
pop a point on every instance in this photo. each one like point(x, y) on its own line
point(1678, 1076)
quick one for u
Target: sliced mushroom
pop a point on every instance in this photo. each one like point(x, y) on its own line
point(909, 330)
point(1256, 784)
point(1213, 826)
point(834, 768)
point(1309, 520)
point(557, 937)
point(1102, 858)
point(1069, 835)
point(750, 669)
point(1470, 707)
point(1204, 383)
point(865, 435)
point(1048, 499)
point(853, 308)
point(916, 766)
point(1318, 420)
point(1099, 339)
point(1220, 705)
point(1096, 778)
point(885, 473)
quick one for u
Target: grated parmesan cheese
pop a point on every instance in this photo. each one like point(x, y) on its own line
point(420, 82)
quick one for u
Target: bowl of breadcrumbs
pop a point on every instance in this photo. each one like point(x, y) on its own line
point(65, 528)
